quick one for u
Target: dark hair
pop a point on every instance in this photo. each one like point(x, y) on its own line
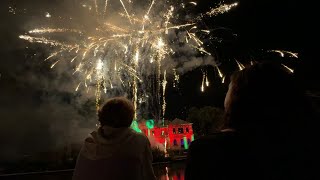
point(116, 112)
point(265, 99)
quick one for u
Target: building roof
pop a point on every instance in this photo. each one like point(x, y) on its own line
point(179, 121)
point(166, 123)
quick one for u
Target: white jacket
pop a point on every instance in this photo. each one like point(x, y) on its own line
point(115, 154)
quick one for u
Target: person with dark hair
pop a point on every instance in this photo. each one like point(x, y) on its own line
point(115, 151)
point(267, 132)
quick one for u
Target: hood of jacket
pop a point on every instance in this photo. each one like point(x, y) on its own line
point(108, 142)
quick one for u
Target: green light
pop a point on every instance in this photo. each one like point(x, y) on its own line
point(185, 143)
point(192, 137)
point(135, 126)
point(150, 123)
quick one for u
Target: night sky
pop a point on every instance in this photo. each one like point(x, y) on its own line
point(35, 117)
point(262, 25)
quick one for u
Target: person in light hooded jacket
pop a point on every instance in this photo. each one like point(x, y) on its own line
point(115, 151)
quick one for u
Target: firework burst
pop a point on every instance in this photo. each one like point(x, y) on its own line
point(125, 46)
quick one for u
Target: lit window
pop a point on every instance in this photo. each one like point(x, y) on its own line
point(187, 130)
point(174, 130)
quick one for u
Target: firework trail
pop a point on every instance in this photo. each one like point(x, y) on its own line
point(283, 53)
point(207, 80)
point(123, 44)
point(289, 69)
point(164, 104)
point(240, 66)
point(176, 78)
point(223, 79)
point(203, 81)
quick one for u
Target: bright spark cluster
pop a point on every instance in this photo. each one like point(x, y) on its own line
point(122, 55)
point(221, 9)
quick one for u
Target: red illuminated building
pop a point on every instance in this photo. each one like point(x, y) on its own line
point(177, 134)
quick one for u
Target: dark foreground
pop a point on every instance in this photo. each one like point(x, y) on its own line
point(162, 171)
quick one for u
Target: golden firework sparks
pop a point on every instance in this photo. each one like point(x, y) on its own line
point(223, 79)
point(116, 53)
point(207, 80)
point(283, 53)
point(203, 82)
point(289, 69)
point(240, 66)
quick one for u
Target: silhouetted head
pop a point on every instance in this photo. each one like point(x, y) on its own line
point(116, 112)
point(263, 98)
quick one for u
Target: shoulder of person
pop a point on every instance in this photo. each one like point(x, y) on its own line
point(140, 137)
point(89, 140)
point(90, 137)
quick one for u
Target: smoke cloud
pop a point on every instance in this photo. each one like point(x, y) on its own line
point(40, 110)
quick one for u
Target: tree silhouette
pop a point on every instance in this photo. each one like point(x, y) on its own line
point(205, 120)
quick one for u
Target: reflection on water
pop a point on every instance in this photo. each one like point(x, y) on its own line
point(174, 171)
